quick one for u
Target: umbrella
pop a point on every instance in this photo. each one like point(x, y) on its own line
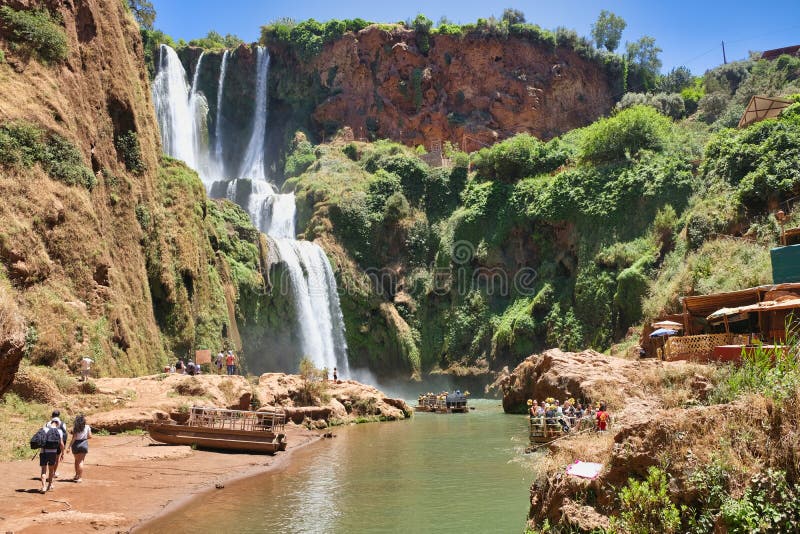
point(663, 332)
point(671, 325)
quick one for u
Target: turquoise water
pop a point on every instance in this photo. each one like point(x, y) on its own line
point(456, 473)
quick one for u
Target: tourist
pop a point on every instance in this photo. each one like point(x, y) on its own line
point(56, 414)
point(81, 433)
point(230, 362)
point(86, 367)
point(218, 362)
point(560, 417)
point(52, 450)
point(335, 375)
point(179, 367)
point(532, 405)
point(602, 418)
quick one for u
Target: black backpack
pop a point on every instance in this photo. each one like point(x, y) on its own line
point(38, 439)
point(52, 439)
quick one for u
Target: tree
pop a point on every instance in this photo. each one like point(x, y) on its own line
point(677, 80)
point(645, 64)
point(513, 16)
point(143, 12)
point(607, 31)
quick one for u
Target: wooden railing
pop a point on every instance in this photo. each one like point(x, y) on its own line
point(698, 347)
point(265, 421)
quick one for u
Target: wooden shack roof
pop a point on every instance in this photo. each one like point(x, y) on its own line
point(705, 305)
point(763, 107)
point(775, 53)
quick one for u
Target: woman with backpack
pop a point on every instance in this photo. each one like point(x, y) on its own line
point(81, 433)
point(51, 451)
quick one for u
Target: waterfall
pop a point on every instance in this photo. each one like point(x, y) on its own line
point(171, 97)
point(198, 107)
point(182, 112)
point(253, 164)
point(218, 121)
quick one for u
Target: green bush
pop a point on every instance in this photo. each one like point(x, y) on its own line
point(519, 157)
point(35, 31)
point(645, 507)
point(396, 208)
point(762, 160)
point(351, 151)
point(381, 187)
point(300, 159)
point(625, 134)
point(23, 144)
point(130, 151)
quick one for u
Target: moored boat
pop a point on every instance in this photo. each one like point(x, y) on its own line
point(232, 430)
point(445, 402)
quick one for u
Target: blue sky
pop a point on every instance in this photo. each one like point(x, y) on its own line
point(689, 33)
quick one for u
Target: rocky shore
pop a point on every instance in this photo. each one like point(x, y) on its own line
point(665, 415)
point(130, 479)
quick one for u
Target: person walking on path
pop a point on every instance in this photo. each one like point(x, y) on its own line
point(230, 362)
point(64, 434)
point(81, 433)
point(53, 448)
point(218, 362)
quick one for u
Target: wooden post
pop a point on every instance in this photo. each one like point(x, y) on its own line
point(686, 327)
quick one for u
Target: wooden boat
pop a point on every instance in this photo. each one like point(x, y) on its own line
point(445, 402)
point(231, 430)
point(544, 430)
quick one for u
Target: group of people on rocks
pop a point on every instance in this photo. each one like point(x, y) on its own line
point(569, 415)
point(227, 358)
point(54, 447)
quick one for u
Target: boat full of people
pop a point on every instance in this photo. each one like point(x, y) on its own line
point(231, 430)
point(444, 402)
point(550, 420)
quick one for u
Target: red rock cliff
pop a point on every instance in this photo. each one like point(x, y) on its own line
point(472, 89)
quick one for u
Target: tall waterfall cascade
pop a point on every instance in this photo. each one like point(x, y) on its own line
point(183, 113)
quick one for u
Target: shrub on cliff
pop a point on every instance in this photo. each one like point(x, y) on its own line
point(23, 144)
point(129, 150)
point(761, 161)
point(35, 31)
point(300, 159)
point(646, 506)
point(309, 36)
point(624, 135)
point(519, 157)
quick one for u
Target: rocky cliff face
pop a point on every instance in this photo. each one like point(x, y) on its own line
point(471, 90)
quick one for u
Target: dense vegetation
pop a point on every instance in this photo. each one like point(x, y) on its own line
point(34, 32)
point(23, 144)
point(613, 222)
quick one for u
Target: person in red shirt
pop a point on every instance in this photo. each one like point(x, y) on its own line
point(230, 362)
point(602, 418)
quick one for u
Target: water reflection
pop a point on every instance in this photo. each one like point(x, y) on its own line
point(458, 473)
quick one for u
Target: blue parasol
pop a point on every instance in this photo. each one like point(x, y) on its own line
point(663, 332)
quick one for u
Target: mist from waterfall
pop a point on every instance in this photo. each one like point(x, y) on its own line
point(182, 111)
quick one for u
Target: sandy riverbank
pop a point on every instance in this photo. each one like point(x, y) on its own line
point(128, 480)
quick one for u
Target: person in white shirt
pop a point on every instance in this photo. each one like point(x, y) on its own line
point(81, 433)
point(86, 366)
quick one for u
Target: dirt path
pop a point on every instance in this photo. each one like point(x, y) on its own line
point(127, 480)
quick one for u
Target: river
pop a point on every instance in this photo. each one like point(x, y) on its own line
point(455, 473)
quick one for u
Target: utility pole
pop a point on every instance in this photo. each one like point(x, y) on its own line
point(724, 59)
